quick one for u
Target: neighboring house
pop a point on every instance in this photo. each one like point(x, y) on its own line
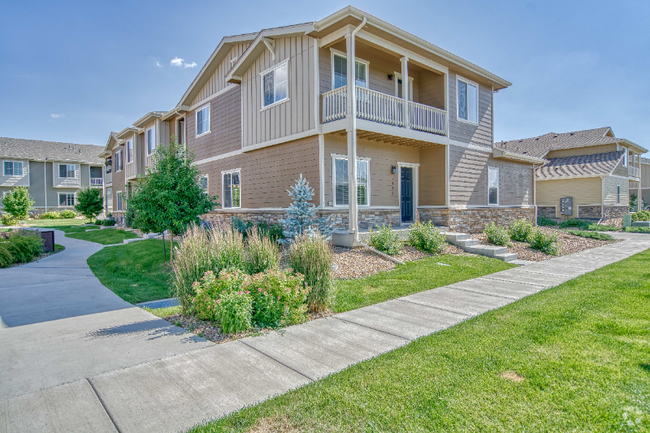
point(54, 172)
point(592, 168)
point(271, 105)
point(645, 181)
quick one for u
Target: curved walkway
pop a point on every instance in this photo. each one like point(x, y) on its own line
point(177, 392)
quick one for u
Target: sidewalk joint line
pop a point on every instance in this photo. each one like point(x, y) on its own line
point(510, 298)
point(279, 362)
point(103, 405)
point(435, 308)
point(489, 277)
point(374, 329)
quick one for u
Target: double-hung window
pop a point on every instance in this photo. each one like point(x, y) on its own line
point(66, 171)
point(151, 140)
point(66, 199)
point(275, 85)
point(341, 184)
point(340, 71)
point(13, 168)
point(467, 94)
point(493, 185)
point(231, 188)
point(203, 120)
point(129, 151)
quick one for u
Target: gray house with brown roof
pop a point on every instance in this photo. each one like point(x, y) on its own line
point(588, 174)
point(54, 172)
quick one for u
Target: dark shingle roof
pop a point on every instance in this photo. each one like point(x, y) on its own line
point(540, 146)
point(645, 160)
point(52, 150)
point(582, 165)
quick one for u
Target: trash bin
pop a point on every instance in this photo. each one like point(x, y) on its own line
point(48, 240)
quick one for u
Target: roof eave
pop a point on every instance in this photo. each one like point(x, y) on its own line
point(152, 115)
point(504, 154)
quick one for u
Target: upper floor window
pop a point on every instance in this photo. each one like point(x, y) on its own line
point(119, 160)
point(493, 185)
point(203, 120)
point(151, 140)
point(203, 182)
point(13, 168)
point(66, 170)
point(275, 84)
point(120, 201)
point(341, 184)
point(231, 188)
point(625, 156)
point(467, 100)
point(129, 151)
point(340, 71)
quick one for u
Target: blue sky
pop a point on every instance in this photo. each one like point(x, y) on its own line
point(73, 71)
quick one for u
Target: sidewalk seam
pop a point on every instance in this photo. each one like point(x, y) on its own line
point(435, 308)
point(279, 362)
point(510, 298)
point(374, 329)
point(103, 405)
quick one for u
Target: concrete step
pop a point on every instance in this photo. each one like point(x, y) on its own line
point(466, 243)
point(454, 237)
point(486, 250)
point(507, 257)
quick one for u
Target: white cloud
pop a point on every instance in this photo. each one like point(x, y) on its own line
point(57, 116)
point(181, 63)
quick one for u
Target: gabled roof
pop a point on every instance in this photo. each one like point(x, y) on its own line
point(108, 148)
point(126, 132)
point(37, 150)
point(582, 165)
point(152, 115)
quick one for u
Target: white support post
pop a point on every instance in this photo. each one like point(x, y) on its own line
point(353, 219)
point(405, 91)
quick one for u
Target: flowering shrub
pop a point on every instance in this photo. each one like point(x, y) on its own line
point(52, 215)
point(279, 298)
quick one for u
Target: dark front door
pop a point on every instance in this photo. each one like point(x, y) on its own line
point(406, 194)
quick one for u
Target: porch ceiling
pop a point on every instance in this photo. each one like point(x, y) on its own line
point(387, 138)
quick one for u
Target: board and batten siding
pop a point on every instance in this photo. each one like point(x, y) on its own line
point(645, 176)
point(217, 80)
point(13, 181)
point(290, 117)
point(267, 174)
point(432, 176)
point(225, 127)
point(590, 150)
point(466, 132)
point(585, 191)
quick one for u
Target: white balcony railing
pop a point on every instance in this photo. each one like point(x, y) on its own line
point(380, 107)
point(633, 171)
point(96, 181)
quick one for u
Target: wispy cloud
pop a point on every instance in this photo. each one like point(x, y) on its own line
point(181, 63)
point(156, 61)
point(57, 116)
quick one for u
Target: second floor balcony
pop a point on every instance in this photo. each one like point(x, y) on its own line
point(96, 182)
point(383, 108)
point(633, 171)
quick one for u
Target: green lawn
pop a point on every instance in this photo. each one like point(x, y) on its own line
point(136, 272)
point(56, 224)
point(572, 358)
point(79, 229)
point(412, 277)
point(104, 237)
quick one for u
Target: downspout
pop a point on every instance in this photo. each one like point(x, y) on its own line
point(45, 182)
point(602, 198)
point(535, 191)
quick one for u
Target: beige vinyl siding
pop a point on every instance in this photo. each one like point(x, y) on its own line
point(267, 174)
point(384, 186)
point(290, 117)
point(131, 169)
point(645, 176)
point(141, 153)
point(217, 80)
point(148, 159)
point(610, 184)
point(432, 89)
point(13, 181)
point(225, 127)
point(590, 150)
point(465, 132)
point(585, 191)
point(432, 176)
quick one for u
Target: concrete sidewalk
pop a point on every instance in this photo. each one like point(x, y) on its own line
point(175, 393)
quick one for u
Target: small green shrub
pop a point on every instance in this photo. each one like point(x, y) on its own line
point(603, 228)
point(591, 235)
point(18, 202)
point(235, 312)
point(6, 259)
point(129, 217)
point(275, 232)
point(574, 222)
point(25, 246)
point(546, 243)
point(311, 256)
point(496, 234)
point(520, 230)
point(386, 240)
point(545, 221)
point(261, 253)
point(637, 229)
point(108, 222)
point(9, 220)
point(90, 202)
point(68, 214)
point(425, 237)
point(643, 215)
point(279, 298)
point(52, 215)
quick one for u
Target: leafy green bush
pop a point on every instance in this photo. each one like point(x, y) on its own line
point(279, 298)
point(261, 253)
point(591, 235)
point(643, 215)
point(603, 228)
point(68, 214)
point(235, 312)
point(9, 220)
point(497, 235)
point(574, 222)
point(425, 237)
point(24, 245)
point(520, 230)
point(6, 259)
point(386, 240)
point(18, 202)
point(311, 256)
point(546, 243)
point(637, 229)
point(273, 232)
point(129, 217)
point(52, 215)
point(545, 221)
point(108, 222)
point(90, 202)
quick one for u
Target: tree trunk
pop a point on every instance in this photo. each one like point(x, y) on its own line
point(164, 252)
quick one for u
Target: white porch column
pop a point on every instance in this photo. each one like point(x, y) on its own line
point(353, 222)
point(639, 191)
point(405, 91)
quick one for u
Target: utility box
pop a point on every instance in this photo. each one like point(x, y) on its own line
point(566, 206)
point(48, 240)
point(627, 220)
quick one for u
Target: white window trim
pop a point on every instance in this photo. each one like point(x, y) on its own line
point(223, 188)
point(207, 181)
point(66, 199)
point(478, 96)
point(146, 139)
point(335, 52)
point(262, 74)
point(126, 147)
point(117, 201)
point(336, 156)
point(398, 76)
point(498, 187)
point(58, 171)
point(196, 121)
point(13, 168)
